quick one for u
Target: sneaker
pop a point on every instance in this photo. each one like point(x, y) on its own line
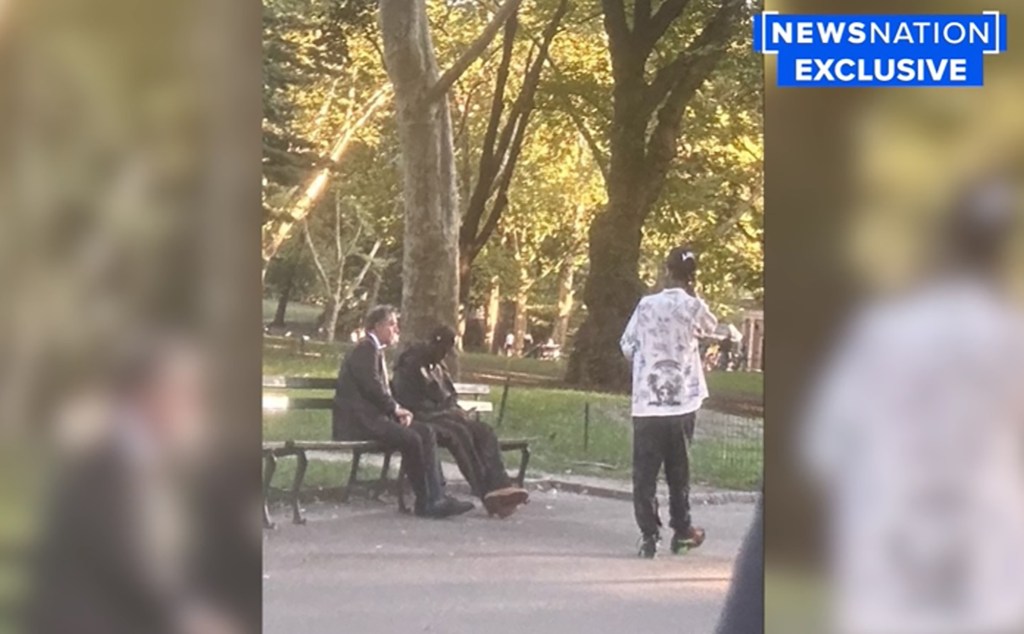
point(648, 546)
point(685, 541)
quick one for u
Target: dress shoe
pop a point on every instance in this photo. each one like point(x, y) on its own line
point(446, 507)
point(503, 502)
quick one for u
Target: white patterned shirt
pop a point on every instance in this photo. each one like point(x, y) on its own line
point(661, 341)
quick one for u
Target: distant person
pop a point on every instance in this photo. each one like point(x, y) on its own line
point(365, 410)
point(510, 344)
point(422, 384)
point(725, 353)
point(668, 389)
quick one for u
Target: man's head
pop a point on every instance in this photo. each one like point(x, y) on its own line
point(442, 342)
point(681, 266)
point(382, 322)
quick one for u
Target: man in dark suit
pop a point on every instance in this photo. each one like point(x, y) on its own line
point(422, 384)
point(365, 410)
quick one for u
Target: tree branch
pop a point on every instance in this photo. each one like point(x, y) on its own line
point(615, 24)
point(742, 207)
point(684, 76)
point(337, 225)
point(438, 90)
point(588, 136)
point(509, 146)
point(356, 283)
point(300, 208)
point(488, 164)
point(709, 43)
point(655, 28)
point(316, 258)
point(641, 16)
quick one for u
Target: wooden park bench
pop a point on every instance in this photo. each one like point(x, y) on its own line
point(472, 397)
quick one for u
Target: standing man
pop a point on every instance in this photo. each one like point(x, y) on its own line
point(422, 384)
point(364, 409)
point(668, 389)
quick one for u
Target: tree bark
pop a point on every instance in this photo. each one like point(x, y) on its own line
point(493, 312)
point(331, 323)
point(565, 304)
point(282, 302)
point(610, 293)
point(520, 324)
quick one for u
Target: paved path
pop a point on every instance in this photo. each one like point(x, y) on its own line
point(563, 564)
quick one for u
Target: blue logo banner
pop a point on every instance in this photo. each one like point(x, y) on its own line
point(880, 50)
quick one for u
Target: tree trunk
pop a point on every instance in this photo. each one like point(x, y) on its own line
point(492, 314)
point(430, 292)
point(282, 305)
point(285, 297)
point(465, 276)
point(371, 297)
point(610, 293)
point(519, 327)
point(565, 304)
point(331, 323)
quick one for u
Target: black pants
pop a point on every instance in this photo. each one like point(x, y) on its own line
point(418, 446)
point(657, 441)
point(474, 445)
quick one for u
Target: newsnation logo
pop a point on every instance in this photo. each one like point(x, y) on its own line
point(880, 50)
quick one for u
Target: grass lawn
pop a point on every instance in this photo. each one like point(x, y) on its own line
point(282, 356)
point(727, 452)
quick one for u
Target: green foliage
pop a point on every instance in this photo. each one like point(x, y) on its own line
point(322, 62)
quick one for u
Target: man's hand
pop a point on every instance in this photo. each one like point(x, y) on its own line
point(404, 416)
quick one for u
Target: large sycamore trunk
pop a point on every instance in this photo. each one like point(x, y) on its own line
point(430, 290)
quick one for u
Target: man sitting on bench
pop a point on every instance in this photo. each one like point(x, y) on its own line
point(423, 385)
point(365, 410)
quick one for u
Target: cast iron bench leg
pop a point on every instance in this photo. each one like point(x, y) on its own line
point(353, 476)
point(270, 464)
point(374, 489)
point(521, 478)
point(300, 475)
point(400, 483)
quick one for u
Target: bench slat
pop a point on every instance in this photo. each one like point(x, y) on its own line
point(322, 383)
point(465, 389)
point(299, 383)
point(363, 445)
point(281, 402)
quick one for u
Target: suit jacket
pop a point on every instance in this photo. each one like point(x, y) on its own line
point(363, 405)
point(422, 386)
